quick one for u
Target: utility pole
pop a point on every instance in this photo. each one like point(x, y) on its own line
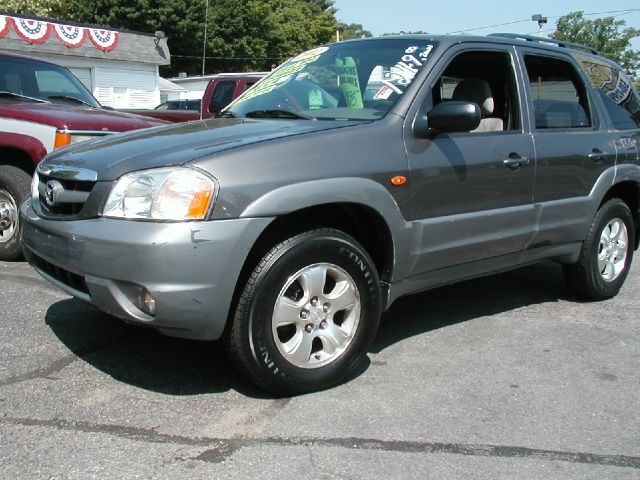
point(204, 42)
point(541, 21)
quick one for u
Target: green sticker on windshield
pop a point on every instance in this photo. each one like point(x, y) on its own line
point(348, 77)
point(279, 76)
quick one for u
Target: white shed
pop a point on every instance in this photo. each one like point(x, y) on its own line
point(120, 68)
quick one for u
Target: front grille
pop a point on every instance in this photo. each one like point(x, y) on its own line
point(59, 196)
point(72, 280)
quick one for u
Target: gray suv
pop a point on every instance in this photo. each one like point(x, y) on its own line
point(353, 174)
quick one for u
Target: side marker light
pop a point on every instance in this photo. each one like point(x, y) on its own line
point(398, 180)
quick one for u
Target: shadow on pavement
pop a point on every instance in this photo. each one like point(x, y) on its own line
point(143, 357)
point(149, 360)
point(423, 312)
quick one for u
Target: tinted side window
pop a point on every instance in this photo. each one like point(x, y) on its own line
point(222, 95)
point(616, 90)
point(487, 79)
point(559, 96)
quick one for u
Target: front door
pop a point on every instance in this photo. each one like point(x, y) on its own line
point(471, 193)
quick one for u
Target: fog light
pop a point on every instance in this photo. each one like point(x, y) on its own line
point(141, 299)
point(147, 303)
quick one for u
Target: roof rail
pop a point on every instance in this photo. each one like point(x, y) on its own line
point(560, 43)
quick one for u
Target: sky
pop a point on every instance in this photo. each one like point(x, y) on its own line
point(476, 17)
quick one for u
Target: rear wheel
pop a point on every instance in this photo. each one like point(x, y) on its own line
point(14, 189)
point(307, 313)
point(606, 253)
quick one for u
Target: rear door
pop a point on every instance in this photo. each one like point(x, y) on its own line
point(573, 145)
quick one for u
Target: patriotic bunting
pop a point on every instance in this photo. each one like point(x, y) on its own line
point(70, 36)
point(39, 31)
point(4, 25)
point(32, 31)
point(104, 40)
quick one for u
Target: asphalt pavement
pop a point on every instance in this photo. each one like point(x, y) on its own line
point(505, 377)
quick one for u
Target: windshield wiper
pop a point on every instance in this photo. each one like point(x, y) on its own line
point(4, 93)
point(73, 99)
point(275, 114)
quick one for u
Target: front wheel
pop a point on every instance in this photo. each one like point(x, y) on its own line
point(307, 313)
point(14, 189)
point(606, 253)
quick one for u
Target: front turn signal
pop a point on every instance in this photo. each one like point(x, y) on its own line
point(62, 139)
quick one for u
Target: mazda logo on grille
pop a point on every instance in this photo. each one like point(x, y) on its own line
point(51, 191)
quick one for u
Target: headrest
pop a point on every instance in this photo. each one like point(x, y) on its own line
point(475, 90)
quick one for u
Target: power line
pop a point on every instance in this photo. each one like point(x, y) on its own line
point(621, 12)
point(489, 26)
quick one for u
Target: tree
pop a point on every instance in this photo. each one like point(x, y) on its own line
point(241, 34)
point(353, 30)
point(256, 34)
point(321, 6)
point(37, 8)
point(417, 32)
point(607, 35)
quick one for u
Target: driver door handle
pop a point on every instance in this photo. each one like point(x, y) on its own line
point(596, 155)
point(515, 161)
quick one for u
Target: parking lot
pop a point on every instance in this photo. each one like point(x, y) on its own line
point(502, 377)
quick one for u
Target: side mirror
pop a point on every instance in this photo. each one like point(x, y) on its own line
point(448, 117)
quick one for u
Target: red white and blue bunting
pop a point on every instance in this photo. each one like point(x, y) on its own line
point(39, 31)
point(70, 36)
point(32, 31)
point(104, 40)
point(4, 25)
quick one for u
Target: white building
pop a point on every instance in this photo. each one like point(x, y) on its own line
point(120, 68)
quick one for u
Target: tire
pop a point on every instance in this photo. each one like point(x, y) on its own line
point(307, 313)
point(606, 253)
point(15, 187)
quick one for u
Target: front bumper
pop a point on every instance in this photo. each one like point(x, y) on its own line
point(190, 268)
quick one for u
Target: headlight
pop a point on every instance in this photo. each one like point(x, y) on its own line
point(175, 193)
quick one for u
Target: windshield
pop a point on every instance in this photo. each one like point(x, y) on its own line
point(43, 81)
point(343, 81)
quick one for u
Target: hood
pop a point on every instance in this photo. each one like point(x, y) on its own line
point(113, 156)
point(75, 117)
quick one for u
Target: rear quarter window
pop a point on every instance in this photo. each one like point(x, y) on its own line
point(615, 89)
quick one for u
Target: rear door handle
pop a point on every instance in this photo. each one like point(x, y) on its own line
point(515, 161)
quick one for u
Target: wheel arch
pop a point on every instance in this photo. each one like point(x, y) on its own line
point(361, 222)
point(629, 192)
point(360, 207)
point(17, 158)
point(377, 225)
point(21, 151)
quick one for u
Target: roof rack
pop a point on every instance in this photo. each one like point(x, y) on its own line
point(560, 43)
